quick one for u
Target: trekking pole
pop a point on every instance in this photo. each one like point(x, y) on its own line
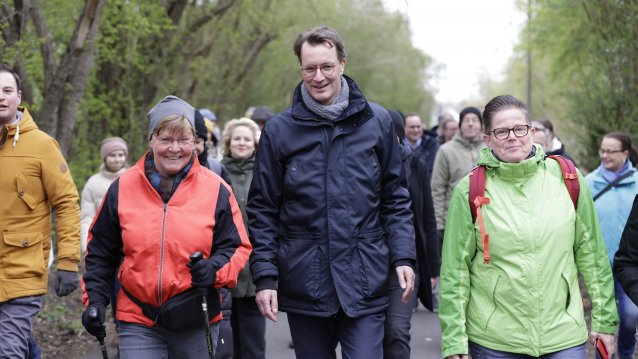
point(100, 339)
point(196, 257)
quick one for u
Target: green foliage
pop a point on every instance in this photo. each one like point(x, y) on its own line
point(226, 55)
point(585, 70)
point(381, 57)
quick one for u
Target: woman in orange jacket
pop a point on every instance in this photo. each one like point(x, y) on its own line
point(158, 213)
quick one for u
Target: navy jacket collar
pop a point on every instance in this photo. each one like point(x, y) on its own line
point(357, 103)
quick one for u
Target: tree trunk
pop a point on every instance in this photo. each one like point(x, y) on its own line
point(67, 84)
point(17, 23)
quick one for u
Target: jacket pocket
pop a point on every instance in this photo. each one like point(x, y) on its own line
point(26, 191)
point(373, 264)
point(573, 302)
point(375, 171)
point(293, 171)
point(22, 256)
point(482, 304)
point(298, 259)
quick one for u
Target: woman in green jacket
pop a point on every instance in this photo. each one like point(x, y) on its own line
point(522, 299)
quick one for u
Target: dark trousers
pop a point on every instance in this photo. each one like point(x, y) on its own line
point(396, 340)
point(225, 339)
point(34, 350)
point(249, 329)
point(360, 338)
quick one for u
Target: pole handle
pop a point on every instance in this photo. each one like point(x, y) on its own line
point(196, 257)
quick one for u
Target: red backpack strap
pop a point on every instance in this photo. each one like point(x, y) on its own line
point(570, 175)
point(477, 199)
point(477, 188)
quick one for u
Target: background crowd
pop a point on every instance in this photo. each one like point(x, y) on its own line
point(350, 209)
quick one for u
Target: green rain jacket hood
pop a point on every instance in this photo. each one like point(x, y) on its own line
point(527, 299)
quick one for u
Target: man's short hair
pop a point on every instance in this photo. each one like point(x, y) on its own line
point(5, 68)
point(317, 36)
point(410, 114)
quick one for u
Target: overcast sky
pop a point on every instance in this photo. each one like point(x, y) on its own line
point(467, 37)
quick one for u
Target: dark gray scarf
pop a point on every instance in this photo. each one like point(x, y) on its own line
point(332, 111)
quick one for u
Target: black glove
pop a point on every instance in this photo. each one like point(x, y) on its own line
point(93, 320)
point(203, 274)
point(65, 282)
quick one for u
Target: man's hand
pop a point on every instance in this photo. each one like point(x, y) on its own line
point(266, 300)
point(608, 339)
point(406, 281)
point(65, 282)
point(433, 281)
point(457, 356)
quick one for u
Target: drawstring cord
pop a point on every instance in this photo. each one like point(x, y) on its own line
point(16, 137)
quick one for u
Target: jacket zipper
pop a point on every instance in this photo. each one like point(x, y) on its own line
point(328, 136)
point(159, 284)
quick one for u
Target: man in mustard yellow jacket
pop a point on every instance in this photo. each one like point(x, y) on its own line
point(34, 178)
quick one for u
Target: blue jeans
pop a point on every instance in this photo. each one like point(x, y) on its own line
point(317, 338)
point(141, 342)
point(480, 352)
point(628, 314)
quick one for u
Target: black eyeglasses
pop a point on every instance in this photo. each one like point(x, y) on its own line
point(608, 152)
point(311, 70)
point(503, 133)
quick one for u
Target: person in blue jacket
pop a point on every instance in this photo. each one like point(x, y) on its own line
point(614, 184)
point(328, 210)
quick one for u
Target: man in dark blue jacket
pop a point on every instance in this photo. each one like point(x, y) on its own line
point(423, 143)
point(329, 212)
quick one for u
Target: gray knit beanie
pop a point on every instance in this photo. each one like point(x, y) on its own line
point(169, 105)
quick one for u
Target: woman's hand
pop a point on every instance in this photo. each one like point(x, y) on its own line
point(608, 339)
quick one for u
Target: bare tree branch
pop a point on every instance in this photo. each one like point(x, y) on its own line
point(221, 8)
point(46, 47)
point(5, 16)
point(175, 10)
point(58, 112)
point(12, 33)
point(252, 54)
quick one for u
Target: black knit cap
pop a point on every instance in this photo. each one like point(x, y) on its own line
point(473, 110)
point(200, 126)
point(262, 113)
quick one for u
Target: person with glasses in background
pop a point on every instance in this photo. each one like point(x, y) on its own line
point(514, 293)
point(448, 128)
point(614, 184)
point(540, 135)
point(328, 210)
point(153, 218)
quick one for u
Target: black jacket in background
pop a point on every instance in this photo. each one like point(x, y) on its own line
point(561, 152)
point(626, 258)
point(427, 243)
point(428, 148)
